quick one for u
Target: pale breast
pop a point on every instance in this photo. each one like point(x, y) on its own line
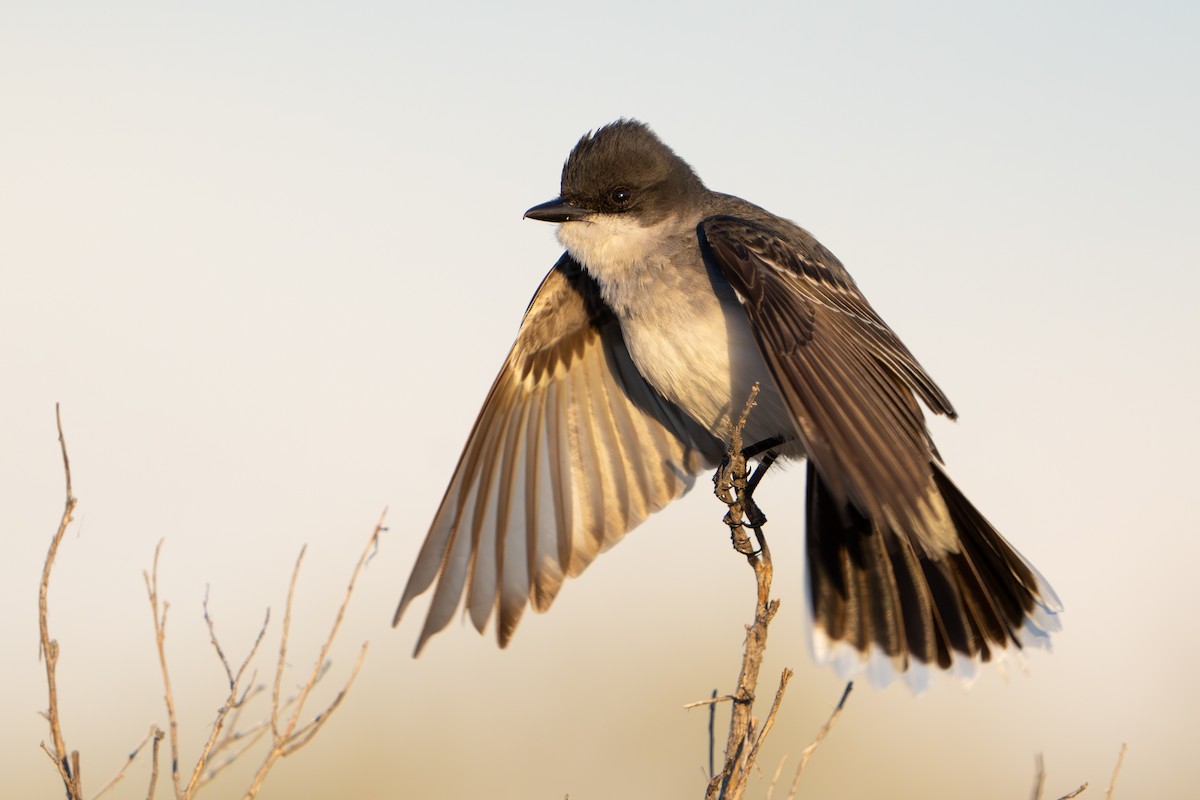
point(697, 348)
point(684, 327)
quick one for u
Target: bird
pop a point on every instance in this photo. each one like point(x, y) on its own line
point(634, 357)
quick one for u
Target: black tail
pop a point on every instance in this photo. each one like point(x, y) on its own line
point(876, 591)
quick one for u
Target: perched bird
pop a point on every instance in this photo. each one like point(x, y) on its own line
point(669, 303)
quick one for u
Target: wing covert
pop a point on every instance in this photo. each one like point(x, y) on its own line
point(849, 381)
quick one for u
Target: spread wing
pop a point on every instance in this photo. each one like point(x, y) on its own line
point(571, 450)
point(846, 377)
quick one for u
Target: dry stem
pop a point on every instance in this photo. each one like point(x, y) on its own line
point(234, 700)
point(155, 734)
point(1039, 781)
point(735, 487)
point(742, 745)
point(1112, 782)
point(223, 734)
point(806, 754)
point(293, 735)
point(160, 635)
point(68, 765)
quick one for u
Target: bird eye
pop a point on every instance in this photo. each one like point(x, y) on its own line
point(621, 196)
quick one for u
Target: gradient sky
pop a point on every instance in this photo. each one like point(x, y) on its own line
point(270, 258)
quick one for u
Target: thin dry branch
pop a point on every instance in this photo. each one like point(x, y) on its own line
point(227, 714)
point(224, 733)
point(292, 736)
point(770, 722)
point(244, 739)
point(67, 764)
point(734, 486)
point(160, 636)
point(234, 735)
point(1039, 782)
point(1112, 782)
point(709, 701)
point(775, 777)
point(283, 642)
point(806, 754)
point(155, 734)
point(158, 737)
point(1039, 777)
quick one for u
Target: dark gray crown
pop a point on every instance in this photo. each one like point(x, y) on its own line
point(625, 153)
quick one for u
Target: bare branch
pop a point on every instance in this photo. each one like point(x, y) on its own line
point(283, 643)
point(293, 736)
point(322, 658)
point(228, 713)
point(775, 777)
point(1112, 782)
point(158, 736)
point(712, 736)
point(806, 754)
point(247, 739)
point(234, 735)
point(709, 701)
point(160, 635)
point(735, 487)
point(1039, 781)
point(67, 765)
point(154, 734)
point(766, 728)
point(212, 635)
point(308, 731)
point(1039, 777)
point(288, 735)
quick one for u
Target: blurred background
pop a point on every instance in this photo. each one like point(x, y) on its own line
point(269, 258)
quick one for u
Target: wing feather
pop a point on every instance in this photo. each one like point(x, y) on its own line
point(844, 374)
point(571, 450)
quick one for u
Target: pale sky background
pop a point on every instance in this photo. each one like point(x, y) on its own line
point(270, 257)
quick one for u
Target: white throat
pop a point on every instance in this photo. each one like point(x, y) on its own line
point(611, 246)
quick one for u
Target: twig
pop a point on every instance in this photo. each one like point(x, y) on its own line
point(67, 764)
point(160, 635)
point(806, 754)
point(154, 734)
point(1112, 782)
point(234, 735)
point(1039, 777)
point(212, 635)
point(158, 737)
point(733, 488)
point(775, 777)
point(232, 700)
point(1039, 781)
point(283, 643)
point(245, 738)
point(224, 733)
point(292, 736)
point(709, 701)
point(770, 722)
point(305, 733)
point(712, 734)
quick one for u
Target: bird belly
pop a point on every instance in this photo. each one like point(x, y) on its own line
point(702, 355)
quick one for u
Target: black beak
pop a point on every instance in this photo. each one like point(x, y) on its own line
point(557, 210)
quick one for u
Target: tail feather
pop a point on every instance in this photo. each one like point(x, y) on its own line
point(880, 602)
